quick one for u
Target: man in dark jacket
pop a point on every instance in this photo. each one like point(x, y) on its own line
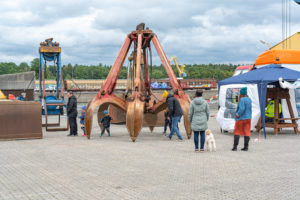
point(72, 113)
point(175, 113)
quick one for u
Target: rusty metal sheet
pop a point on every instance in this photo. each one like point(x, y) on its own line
point(20, 120)
point(119, 116)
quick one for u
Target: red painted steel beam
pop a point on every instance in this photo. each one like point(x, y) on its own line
point(111, 80)
point(137, 81)
point(146, 77)
point(173, 80)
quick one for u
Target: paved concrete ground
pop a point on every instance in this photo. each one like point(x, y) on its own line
point(60, 167)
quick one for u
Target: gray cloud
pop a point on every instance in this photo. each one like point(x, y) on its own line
point(92, 32)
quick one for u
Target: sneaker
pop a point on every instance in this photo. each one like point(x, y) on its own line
point(196, 150)
point(201, 150)
point(180, 139)
point(83, 134)
point(234, 149)
point(70, 135)
point(244, 149)
point(76, 135)
point(170, 137)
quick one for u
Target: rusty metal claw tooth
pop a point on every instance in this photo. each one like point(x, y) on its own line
point(151, 128)
point(134, 118)
point(185, 108)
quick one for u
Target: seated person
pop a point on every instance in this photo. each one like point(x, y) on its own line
point(270, 111)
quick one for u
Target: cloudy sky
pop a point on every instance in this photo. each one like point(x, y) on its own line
point(92, 32)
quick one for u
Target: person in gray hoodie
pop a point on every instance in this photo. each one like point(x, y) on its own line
point(198, 116)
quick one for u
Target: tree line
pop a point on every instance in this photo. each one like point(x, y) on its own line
point(100, 71)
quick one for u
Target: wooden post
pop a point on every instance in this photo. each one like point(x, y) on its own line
point(276, 111)
point(259, 125)
point(291, 113)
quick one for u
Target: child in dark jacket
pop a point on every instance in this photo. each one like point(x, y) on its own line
point(82, 117)
point(105, 122)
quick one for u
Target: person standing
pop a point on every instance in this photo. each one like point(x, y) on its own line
point(105, 122)
point(198, 116)
point(167, 121)
point(175, 113)
point(72, 113)
point(243, 117)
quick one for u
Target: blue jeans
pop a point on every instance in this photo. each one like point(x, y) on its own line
point(196, 139)
point(175, 129)
point(171, 123)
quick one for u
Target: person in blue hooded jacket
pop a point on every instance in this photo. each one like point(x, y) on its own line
point(243, 117)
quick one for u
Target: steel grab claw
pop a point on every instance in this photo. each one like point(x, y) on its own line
point(134, 118)
point(103, 102)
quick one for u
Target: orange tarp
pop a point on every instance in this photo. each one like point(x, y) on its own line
point(279, 57)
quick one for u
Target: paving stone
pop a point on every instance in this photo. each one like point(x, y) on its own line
point(61, 168)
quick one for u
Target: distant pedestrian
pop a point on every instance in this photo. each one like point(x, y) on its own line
point(82, 118)
point(243, 120)
point(72, 113)
point(175, 113)
point(105, 122)
point(198, 116)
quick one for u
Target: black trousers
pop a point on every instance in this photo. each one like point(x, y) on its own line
point(73, 125)
point(167, 123)
point(103, 130)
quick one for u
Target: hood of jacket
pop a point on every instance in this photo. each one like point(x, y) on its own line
point(198, 101)
point(170, 96)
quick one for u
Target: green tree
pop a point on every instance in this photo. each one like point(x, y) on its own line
point(9, 68)
point(24, 67)
point(35, 66)
point(67, 71)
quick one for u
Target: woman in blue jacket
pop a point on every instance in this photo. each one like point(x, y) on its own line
point(243, 117)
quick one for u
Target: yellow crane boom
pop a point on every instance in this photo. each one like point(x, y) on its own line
point(180, 70)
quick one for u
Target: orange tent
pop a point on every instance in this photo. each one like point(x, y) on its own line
point(278, 57)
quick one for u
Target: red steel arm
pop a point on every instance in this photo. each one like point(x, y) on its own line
point(137, 81)
point(111, 80)
point(146, 77)
point(166, 64)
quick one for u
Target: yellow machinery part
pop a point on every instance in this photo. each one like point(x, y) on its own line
point(2, 96)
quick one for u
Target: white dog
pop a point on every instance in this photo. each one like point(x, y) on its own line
point(210, 142)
